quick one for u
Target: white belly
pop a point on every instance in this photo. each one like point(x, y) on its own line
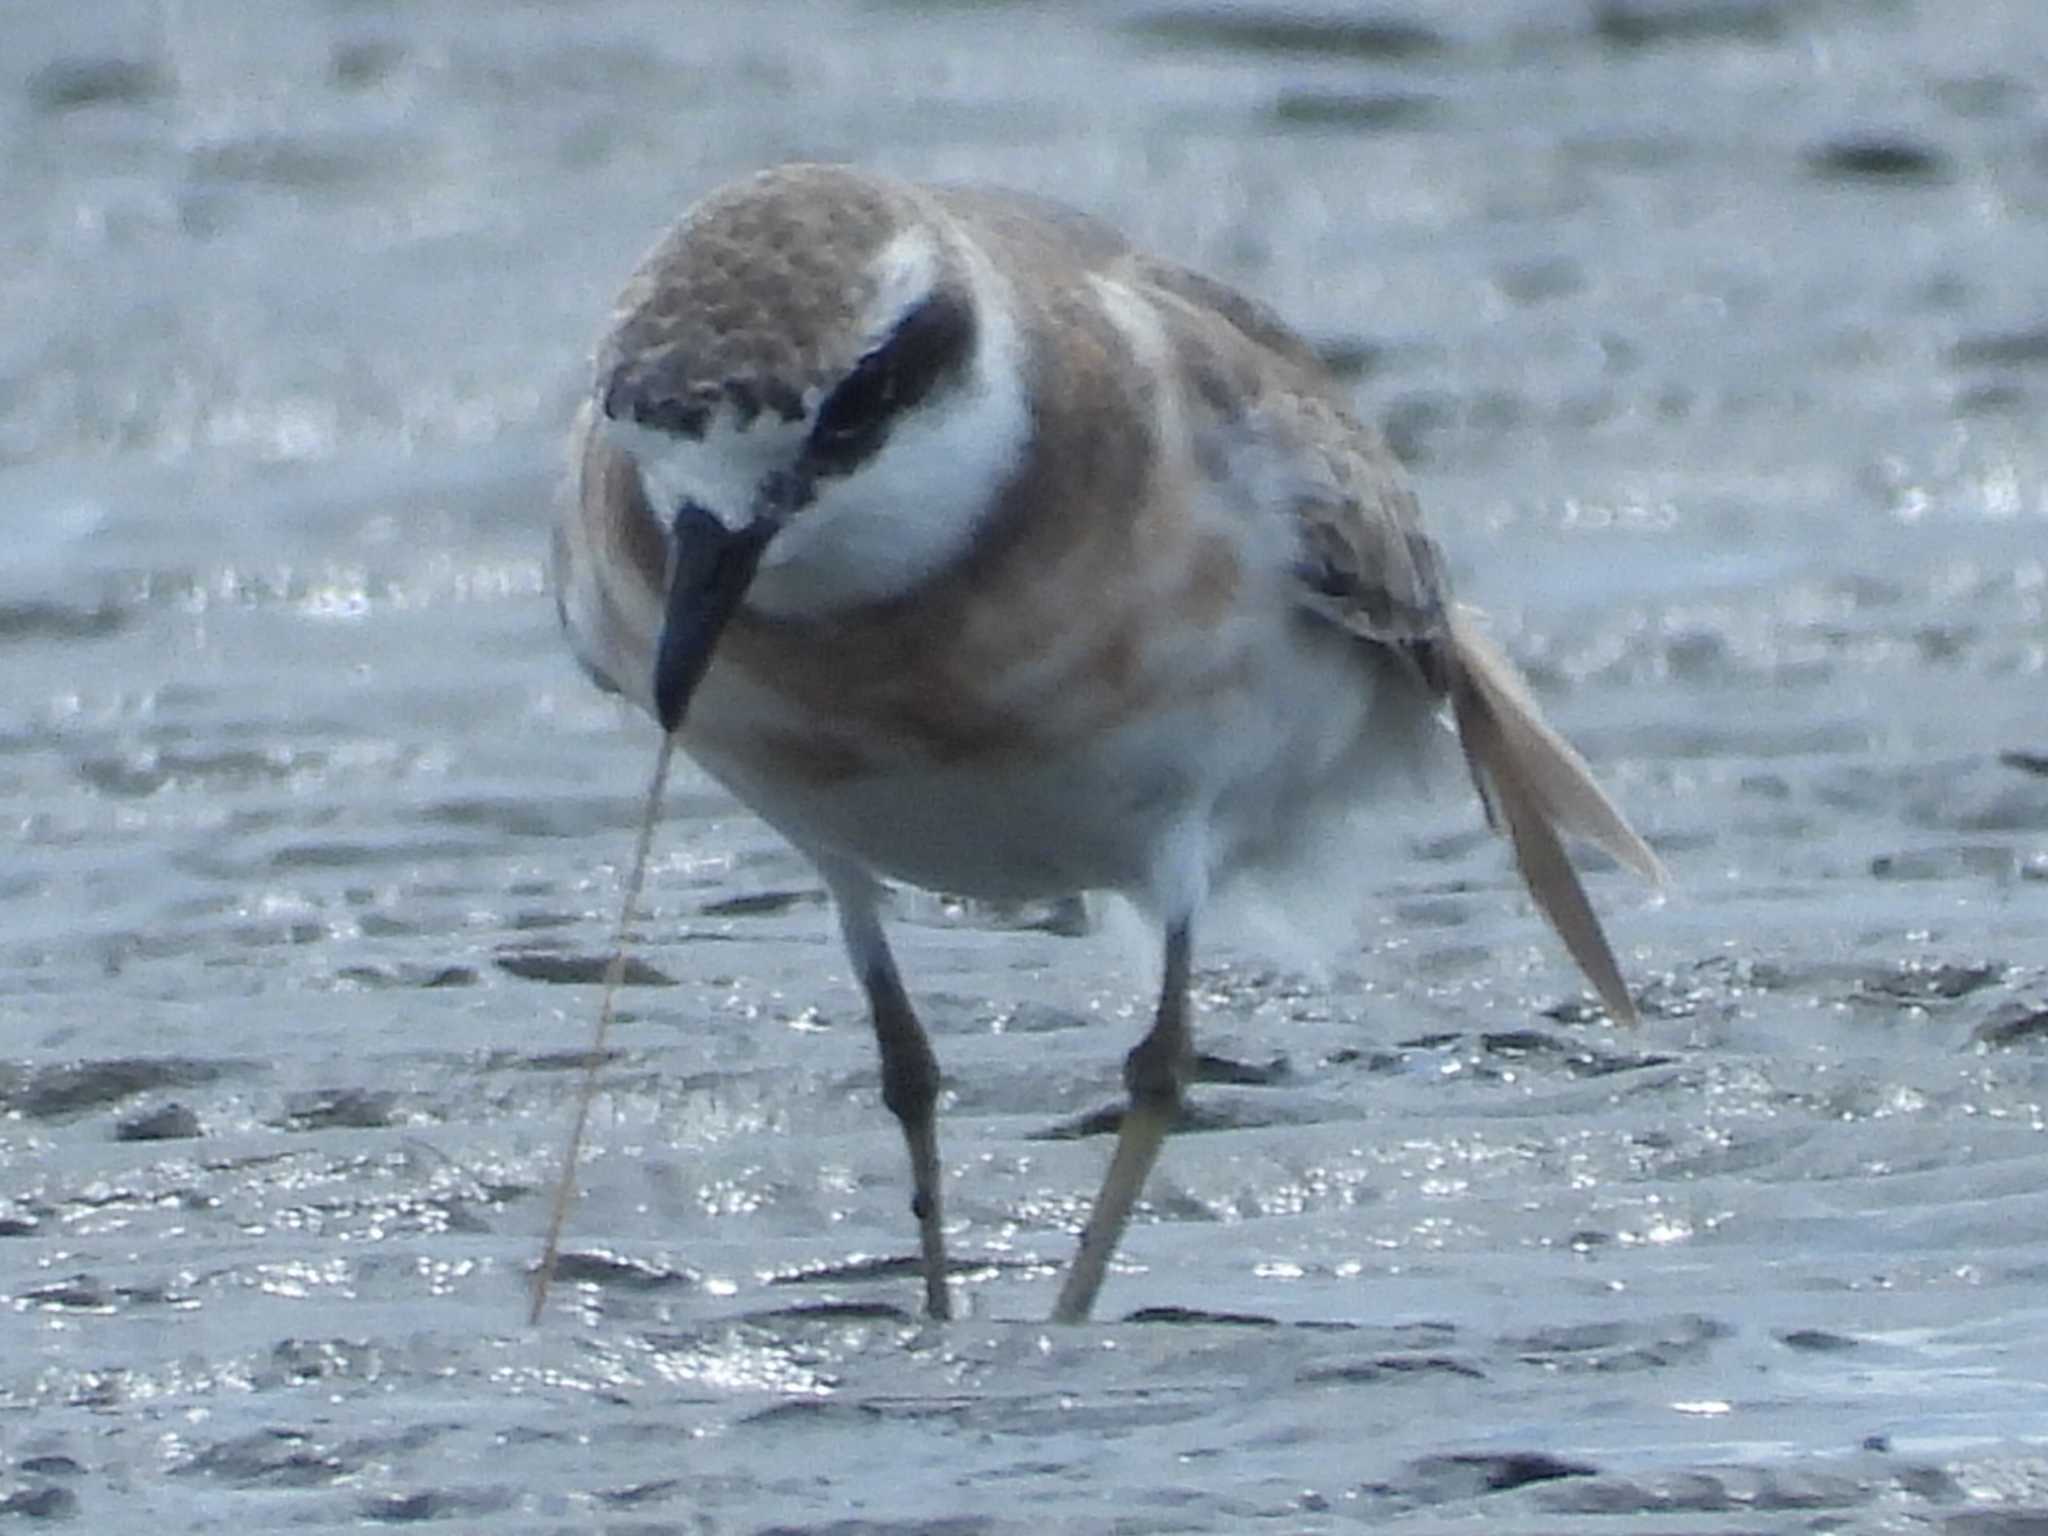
point(1235, 776)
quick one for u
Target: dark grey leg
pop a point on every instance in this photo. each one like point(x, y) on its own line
point(910, 1072)
point(1156, 1074)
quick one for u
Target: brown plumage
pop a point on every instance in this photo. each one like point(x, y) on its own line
point(973, 547)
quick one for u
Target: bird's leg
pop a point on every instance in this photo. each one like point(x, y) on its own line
point(910, 1087)
point(1156, 1074)
point(910, 1072)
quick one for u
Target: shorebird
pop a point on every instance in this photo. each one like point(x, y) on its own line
point(972, 547)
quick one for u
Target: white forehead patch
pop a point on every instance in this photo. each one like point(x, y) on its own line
point(719, 471)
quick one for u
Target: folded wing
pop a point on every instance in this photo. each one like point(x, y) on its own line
point(1367, 565)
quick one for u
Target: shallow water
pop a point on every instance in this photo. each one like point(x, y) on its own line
point(1715, 331)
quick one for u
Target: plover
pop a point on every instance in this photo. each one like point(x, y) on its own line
point(974, 548)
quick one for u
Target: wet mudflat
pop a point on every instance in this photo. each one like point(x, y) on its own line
point(1715, 333)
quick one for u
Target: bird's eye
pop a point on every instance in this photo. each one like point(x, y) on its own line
point(926, 346)
point(853, 411)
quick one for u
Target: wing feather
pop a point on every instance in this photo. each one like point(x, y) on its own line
point(1367, 564)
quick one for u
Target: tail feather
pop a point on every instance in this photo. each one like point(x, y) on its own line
point(1535, 786)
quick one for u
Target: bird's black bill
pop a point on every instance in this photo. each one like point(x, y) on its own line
point(712, 567)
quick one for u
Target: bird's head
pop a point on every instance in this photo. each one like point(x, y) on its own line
point(818, 388)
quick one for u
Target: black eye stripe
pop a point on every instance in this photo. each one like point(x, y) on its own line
point(927, 345)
